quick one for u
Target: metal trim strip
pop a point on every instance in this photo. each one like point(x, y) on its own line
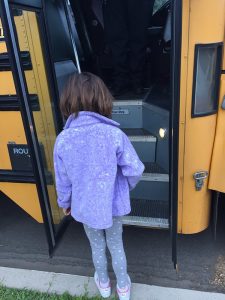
point(155, 177)
point(146, 222)
point(144, 138)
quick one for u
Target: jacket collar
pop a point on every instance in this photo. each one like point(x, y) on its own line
point(85, 118)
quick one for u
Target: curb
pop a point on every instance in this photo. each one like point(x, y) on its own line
point(77, 285)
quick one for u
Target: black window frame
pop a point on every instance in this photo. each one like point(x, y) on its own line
point(219, 47)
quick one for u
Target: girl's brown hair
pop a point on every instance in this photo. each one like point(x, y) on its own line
point(85, 92)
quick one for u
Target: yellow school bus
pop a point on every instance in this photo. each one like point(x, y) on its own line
point(177, 126)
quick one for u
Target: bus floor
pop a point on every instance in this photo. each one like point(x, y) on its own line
point(201, 260)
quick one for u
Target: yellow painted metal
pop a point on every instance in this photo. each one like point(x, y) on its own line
point(11, 130)
point(37, 82)
point(25, 195)
point(183, 97)
point(11, 126)
point(6, 79)
point(10, 133)
point(206, 26)
point(3, 47)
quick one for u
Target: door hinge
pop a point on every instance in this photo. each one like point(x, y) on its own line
point(199, 179)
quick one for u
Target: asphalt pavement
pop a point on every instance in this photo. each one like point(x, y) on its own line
point(201, 259)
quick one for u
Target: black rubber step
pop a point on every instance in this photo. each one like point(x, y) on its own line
point(152, 167)
point(149, 208)
point(136, 131)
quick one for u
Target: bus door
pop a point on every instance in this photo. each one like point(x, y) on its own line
point(30, 132)
point(217, 174)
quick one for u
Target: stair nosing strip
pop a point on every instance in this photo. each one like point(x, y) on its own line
point(142, 138)
point(158, 177)
point(127, 102)
point(144, 221)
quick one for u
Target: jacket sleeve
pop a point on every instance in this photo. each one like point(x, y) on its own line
point(127, 158)
point(63, 184)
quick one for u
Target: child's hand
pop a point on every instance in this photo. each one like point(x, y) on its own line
point(67, 211)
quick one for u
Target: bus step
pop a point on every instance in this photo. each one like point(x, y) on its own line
point(139, 135)
point(154, 168)
point(146, 222)
point(148, 213)
point(150, 208)
point(143, 141)
point(154, 183)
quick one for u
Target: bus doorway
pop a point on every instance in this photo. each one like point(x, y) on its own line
point(143, 116)
point(61, 43)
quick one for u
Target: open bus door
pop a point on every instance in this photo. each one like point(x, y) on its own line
point(177, 10)
point(27, 29)
point(217, 174)
point(30, 181)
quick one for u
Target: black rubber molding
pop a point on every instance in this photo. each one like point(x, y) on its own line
point(11, 102)
point(25, 58)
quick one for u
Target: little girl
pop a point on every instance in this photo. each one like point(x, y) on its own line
point(95, 168)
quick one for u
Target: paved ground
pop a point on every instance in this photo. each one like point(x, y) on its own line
point(79, 285)
point(201, 260)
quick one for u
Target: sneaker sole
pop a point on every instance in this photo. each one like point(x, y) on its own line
point(104, 295)
point(128, 298)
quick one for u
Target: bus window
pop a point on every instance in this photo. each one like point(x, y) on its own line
point(158, 4)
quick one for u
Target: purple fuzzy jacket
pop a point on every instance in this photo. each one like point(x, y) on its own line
point(95, 167)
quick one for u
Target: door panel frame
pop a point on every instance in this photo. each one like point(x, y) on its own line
point(28, 120)
point(174, 121)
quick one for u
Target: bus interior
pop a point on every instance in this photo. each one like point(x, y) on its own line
point(144, 118)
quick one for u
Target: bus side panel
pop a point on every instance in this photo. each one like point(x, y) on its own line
point(10, 133)
point(37, 83)
point(24, 195)
point(206, 26)
point(11, 130)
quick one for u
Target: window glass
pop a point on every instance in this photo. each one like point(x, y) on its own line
point(206, 87)
point(158, 4)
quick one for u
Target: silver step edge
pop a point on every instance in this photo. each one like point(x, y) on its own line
point(143, 138)
point(146, 222)
point(155, 177)
point(142, 103)
point(127, 103)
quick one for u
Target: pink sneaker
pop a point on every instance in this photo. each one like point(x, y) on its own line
point(124, 294)
point(104, 291)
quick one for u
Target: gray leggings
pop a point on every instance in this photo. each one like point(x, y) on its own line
point(112, 236)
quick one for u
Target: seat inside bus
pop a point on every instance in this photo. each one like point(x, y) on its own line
point(145, 119)
point(95, 53)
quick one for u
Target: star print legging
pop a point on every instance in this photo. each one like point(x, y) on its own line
point(112, 237)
